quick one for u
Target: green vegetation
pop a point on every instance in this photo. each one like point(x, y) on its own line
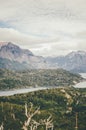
point(61, 103)
point(59, 77)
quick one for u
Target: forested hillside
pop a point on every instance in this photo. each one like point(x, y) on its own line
point(61, 104)
point(35, 78)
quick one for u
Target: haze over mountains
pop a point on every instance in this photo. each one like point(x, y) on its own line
point(14, 58)
point(74, 61)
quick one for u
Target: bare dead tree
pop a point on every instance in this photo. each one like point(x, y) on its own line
point(29, 114)
point(48, 123)
point(1, 127)
point(34, 125)
point(2, 106)
point(76, 127)
point(12, 113)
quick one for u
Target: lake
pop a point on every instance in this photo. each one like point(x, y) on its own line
point(26, 90)
point(20, 91)
point(81, 84)
point(23, 90)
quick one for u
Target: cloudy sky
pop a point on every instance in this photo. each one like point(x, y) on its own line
point(46, 27)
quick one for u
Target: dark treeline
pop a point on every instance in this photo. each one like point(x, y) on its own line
point(61, 103)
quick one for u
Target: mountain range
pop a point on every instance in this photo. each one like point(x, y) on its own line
point(14, 58)
point(74, 61)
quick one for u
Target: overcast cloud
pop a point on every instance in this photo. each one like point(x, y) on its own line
point(46, 27)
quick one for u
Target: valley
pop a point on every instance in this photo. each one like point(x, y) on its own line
point(41, 89)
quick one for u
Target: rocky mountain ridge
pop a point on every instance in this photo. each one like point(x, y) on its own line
point(14, 58)
point(12, 54)
point(74, 61)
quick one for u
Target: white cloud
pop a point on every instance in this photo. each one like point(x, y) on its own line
point(49, 27)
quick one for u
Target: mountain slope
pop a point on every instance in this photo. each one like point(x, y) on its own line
point(74, 61)
point(14, 52)
point(12, 56)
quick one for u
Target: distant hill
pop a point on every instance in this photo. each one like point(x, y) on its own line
point(35, 78)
